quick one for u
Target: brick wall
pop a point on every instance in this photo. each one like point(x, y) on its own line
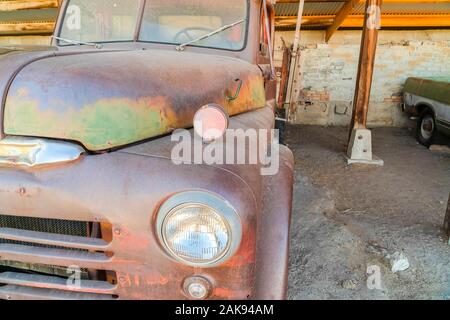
point(328, 72)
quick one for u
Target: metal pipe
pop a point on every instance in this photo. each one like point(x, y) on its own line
point(269, 40)
point(293, 69)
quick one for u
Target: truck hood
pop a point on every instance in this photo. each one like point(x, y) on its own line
point(105, 100)
point(13, 59)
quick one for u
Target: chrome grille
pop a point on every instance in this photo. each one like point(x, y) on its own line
point(53, 226)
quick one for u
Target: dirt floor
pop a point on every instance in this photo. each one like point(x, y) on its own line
point(349, 218)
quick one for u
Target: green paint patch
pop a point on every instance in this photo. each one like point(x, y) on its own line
point(103, 125)
point(251, 97)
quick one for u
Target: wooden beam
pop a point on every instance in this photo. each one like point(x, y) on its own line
point(306, 20)
point(412, 1)
point(297, 1)
point(365, 65)
point(27, 27)
point(285, 68)
point(345, 11)
point(395, 21)
point(363, 1)
point(13, 5)
point(387, 21)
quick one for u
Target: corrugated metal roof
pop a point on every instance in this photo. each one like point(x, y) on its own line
point(310, 9)
point(331, 8)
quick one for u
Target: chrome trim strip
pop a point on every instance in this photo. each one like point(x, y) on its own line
point(56, 283)
point(11, 292)
point(51, 239)
point(35, 152)
point(57, 257)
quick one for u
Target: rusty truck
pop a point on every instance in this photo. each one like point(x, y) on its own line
point(92, 204)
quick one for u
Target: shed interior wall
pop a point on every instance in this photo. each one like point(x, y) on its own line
point(328, 72)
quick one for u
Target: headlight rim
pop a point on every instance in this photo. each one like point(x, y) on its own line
point(201, 198)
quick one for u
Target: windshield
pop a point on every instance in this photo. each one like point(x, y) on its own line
point(181, 21)
point(164, 21)
point(100, 21)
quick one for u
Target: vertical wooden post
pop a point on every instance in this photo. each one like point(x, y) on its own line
point(284, 75)
point(369, 41)
point(359, 148)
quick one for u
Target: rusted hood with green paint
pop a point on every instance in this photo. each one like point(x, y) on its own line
point(109, 99)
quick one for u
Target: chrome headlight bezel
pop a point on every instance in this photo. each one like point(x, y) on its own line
point(205, 199)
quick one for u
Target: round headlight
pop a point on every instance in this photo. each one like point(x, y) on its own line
point(196, 233)
point(199, 229)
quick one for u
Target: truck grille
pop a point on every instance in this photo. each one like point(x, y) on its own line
point(73, 228)
point(38, 256)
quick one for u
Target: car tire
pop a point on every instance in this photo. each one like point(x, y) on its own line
point(426, 128)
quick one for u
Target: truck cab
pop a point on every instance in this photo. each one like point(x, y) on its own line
point(97, 200)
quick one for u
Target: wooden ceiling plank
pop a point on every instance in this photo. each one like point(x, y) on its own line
point(407, 21)
point(14, 5)
point(24, 27)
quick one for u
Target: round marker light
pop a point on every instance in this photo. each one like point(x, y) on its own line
point(211, 122)
point(197, 288)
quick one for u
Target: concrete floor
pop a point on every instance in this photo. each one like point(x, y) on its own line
point(348, 218)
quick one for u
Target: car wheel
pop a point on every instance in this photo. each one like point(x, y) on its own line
point(426, 128)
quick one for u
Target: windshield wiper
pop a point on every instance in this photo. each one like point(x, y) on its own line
point(212, 33)
point(95, 45)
